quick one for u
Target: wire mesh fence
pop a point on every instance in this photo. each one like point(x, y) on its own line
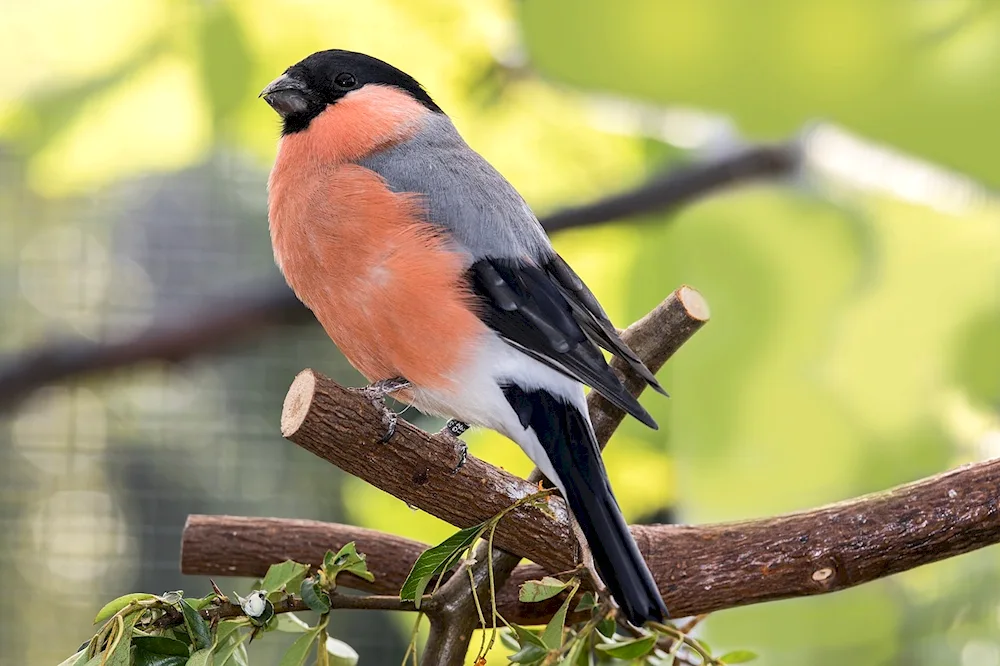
point(99, 476)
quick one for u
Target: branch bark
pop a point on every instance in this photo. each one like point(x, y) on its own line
point(684, 185)
point(654, 338)
point(339, 425)
point(211, 327)
point(227, 610)
point(311, 405)
point(699, 569)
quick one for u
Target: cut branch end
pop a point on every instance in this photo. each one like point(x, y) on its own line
point(695, 304)
point(298, 401)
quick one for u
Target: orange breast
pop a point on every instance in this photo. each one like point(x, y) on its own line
point(384, 284)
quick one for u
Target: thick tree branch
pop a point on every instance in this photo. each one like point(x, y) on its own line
point(700, 569)
point(654, 338)
point(234, 546)
point(340, 426)
point(211, 327)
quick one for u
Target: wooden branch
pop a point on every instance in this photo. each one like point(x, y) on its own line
point(655, 338)
point(684, 185)
point(340, 426)
point(699, 569)
point(227, 610)
point(209, 327)
point(246, 547)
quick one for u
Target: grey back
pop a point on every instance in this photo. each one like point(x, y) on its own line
point(463, 192)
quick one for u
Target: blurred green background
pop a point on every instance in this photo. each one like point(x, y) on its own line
point(855, 339)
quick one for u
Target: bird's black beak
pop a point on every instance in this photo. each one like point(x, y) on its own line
point(286, 95)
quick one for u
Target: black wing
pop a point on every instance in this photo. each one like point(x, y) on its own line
point(591, 316)
point(548, 313)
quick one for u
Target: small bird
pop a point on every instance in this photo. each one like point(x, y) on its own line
point(437, 282)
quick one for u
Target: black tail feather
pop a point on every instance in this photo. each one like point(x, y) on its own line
point(575, 457)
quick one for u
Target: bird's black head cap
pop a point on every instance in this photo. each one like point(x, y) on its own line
point(309, 86)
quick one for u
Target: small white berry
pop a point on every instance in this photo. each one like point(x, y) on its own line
point(254, 604)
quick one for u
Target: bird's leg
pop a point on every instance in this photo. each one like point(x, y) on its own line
point(454, 429)
point(376, 392)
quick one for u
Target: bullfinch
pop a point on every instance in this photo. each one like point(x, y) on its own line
point(437, 282)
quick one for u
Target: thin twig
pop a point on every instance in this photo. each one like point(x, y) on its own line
point(209, 327)
point(684, 185)
point(291, 604)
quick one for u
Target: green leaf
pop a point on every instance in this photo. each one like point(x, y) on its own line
point(738, 657)
point(607, 627)
point(161, 645)
point(633, 649)
point(143, 658)
point(225, 61)
point(286, 575)
point(347, 559)
point(299, 652)
point(587, 602)
point(57, 107)
point(265, 617)
point(526, 636)
point(229, 648)
point(573, 656)
point(226, 630)
point(201, 602)
point(340, 652)
point(539, 590)
point(121, 653)
point(508, 639)
point(552, 636)
point(80, 657)
point(531, 646)
point(528, 654)
point(202, 658)
point(171, 597)
point(291, 623)
point(201, 635)
point(314, 597)
point(435, 561)
point(113, 607)
point(238, 657)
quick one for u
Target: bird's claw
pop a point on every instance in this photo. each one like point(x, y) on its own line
point(389, 420)
point(463, 453)
point(376, 392)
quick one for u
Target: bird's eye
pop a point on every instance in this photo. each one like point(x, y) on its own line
point(345, 80)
